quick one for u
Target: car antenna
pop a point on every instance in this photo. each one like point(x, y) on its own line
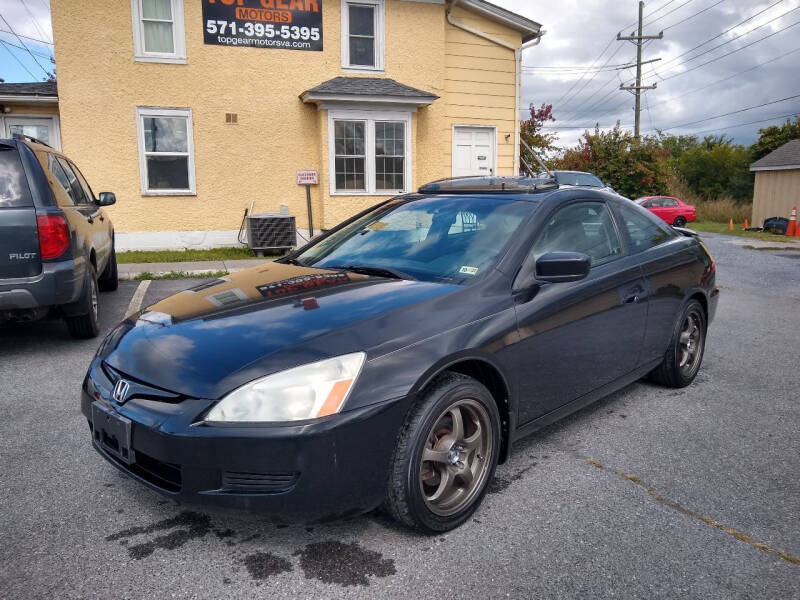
point(538, 160)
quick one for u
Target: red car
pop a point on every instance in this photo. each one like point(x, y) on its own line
point(670, 209)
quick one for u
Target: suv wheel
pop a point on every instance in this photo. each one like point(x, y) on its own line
point(682, 360)
point(446, 455)
point(109, 280)
point(86, 326)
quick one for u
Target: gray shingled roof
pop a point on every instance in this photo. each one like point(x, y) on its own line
point(366, 86)
point(33, 88)
point(787, 155)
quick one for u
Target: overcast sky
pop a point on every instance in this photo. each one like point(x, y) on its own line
point(581, 34)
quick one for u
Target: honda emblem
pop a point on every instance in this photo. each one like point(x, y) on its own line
point(120, 393)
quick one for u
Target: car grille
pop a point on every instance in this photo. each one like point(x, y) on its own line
point(258, 483)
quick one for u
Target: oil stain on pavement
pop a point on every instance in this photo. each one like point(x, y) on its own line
point(262, 565)
point(343, 564)
point(188, 525)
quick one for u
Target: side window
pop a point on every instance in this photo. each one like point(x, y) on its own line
point(60, 182)
point(82, 180)
point(77, 191)
point(582, 227)
point(643, 230)
point(670, 202)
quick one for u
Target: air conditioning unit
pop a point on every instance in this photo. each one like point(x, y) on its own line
point(271, 230)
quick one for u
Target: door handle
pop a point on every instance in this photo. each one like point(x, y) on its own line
point(633, 299)
point(634, 294)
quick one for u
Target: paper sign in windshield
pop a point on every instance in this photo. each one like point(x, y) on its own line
point(468, 270)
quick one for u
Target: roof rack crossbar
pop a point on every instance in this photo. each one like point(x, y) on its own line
point(30, 138)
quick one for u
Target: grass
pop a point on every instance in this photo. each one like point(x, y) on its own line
point(167, 256)
point(713, 227)
point(178, 275)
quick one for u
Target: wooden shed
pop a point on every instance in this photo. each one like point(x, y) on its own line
point(777, 187)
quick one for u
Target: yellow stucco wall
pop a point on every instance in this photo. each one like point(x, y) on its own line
point(775, 193)
point(100, 86)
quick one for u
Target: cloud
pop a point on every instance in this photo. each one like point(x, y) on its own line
point(579, 31)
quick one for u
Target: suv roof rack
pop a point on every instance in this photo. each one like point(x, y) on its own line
point(22, 136)
point(489, 185)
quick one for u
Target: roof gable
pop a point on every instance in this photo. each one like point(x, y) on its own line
point(784, 157)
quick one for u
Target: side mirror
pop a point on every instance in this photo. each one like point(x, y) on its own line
point(106, 199)
point(557, 267)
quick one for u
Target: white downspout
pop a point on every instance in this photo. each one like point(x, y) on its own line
point(517, 70)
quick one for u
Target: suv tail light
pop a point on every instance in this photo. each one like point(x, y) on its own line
point(53, 235)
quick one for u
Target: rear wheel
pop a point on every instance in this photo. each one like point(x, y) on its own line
point(446, 455)
point(85, 325)
point(685, 354)
point(109, 280)
point(679, 222)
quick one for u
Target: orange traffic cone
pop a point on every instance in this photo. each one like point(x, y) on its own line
point(730, 225)
point(745, 224)
point(792, 228)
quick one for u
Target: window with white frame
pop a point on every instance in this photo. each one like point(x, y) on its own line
point(363, 34)
point(369, 152)
point(158, 31)
point(166, 151)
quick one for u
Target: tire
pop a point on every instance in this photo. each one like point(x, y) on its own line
point(679, 222)
point(109, 279)
point(438, 495)
point(85, 326)
point(674, 371)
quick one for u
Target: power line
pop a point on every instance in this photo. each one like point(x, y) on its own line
point(680, 6)
point(594, 62)
point(794, 114)
point(588, 81)
point(761, 64)
point(19, 35)
point(672, 60)
point(42, 54)
point(33, 20)
point(36, 60)
point(3, 43)
point(730, 113)
point(731, 52)
point(700, 12)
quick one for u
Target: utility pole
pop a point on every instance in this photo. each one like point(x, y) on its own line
point(637, 89)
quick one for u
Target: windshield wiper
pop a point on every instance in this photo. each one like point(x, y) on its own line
point(295, 261)
point(367, 270)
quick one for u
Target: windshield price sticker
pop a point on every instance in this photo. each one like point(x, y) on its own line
point(468, 270)
point(287, 24)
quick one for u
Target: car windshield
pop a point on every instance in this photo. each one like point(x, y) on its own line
point(449, 239)
point(567, 178)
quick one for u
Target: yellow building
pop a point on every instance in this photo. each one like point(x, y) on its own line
point(192, 110)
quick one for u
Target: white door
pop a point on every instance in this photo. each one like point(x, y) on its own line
point(473, 151)
point(41, 128)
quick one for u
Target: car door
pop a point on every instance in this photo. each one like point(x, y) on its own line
point(91, 213)
point(576, 337)
point(671, 210)
point(104, 233)
point(67, 202)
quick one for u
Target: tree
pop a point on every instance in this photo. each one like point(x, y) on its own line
point(632, 169)
point(533, 133)
point(717, 167)
point(774, 136)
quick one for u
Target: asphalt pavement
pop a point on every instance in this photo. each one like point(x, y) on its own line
point(650, 493)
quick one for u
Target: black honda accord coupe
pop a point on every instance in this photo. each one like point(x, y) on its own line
point(395, 359)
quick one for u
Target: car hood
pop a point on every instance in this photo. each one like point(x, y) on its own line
point(207, 340)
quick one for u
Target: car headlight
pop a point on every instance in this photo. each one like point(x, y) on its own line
point(306, 392)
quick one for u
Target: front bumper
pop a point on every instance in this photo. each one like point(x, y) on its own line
point(326, 469)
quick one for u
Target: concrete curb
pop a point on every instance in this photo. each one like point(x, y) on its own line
point(129, 271)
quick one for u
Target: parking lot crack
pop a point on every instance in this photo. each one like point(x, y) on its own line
point(694, 514)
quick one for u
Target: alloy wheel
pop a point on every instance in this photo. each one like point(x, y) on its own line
point(456, 457)
point(690, 343)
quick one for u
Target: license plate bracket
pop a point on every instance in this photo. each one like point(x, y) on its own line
point(112, 432)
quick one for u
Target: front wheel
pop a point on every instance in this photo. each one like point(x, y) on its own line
point(446, 455)
point(679, 222)
point(685, 354)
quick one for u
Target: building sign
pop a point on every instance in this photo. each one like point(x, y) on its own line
point(286, 24)
point(307, 177)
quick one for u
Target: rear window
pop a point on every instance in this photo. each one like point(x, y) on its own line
point(14, 190)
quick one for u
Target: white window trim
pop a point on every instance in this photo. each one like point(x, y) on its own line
point(369, 168)
point(178, 36)
point(6, 122)
point(150, 111)
point(380, 37)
